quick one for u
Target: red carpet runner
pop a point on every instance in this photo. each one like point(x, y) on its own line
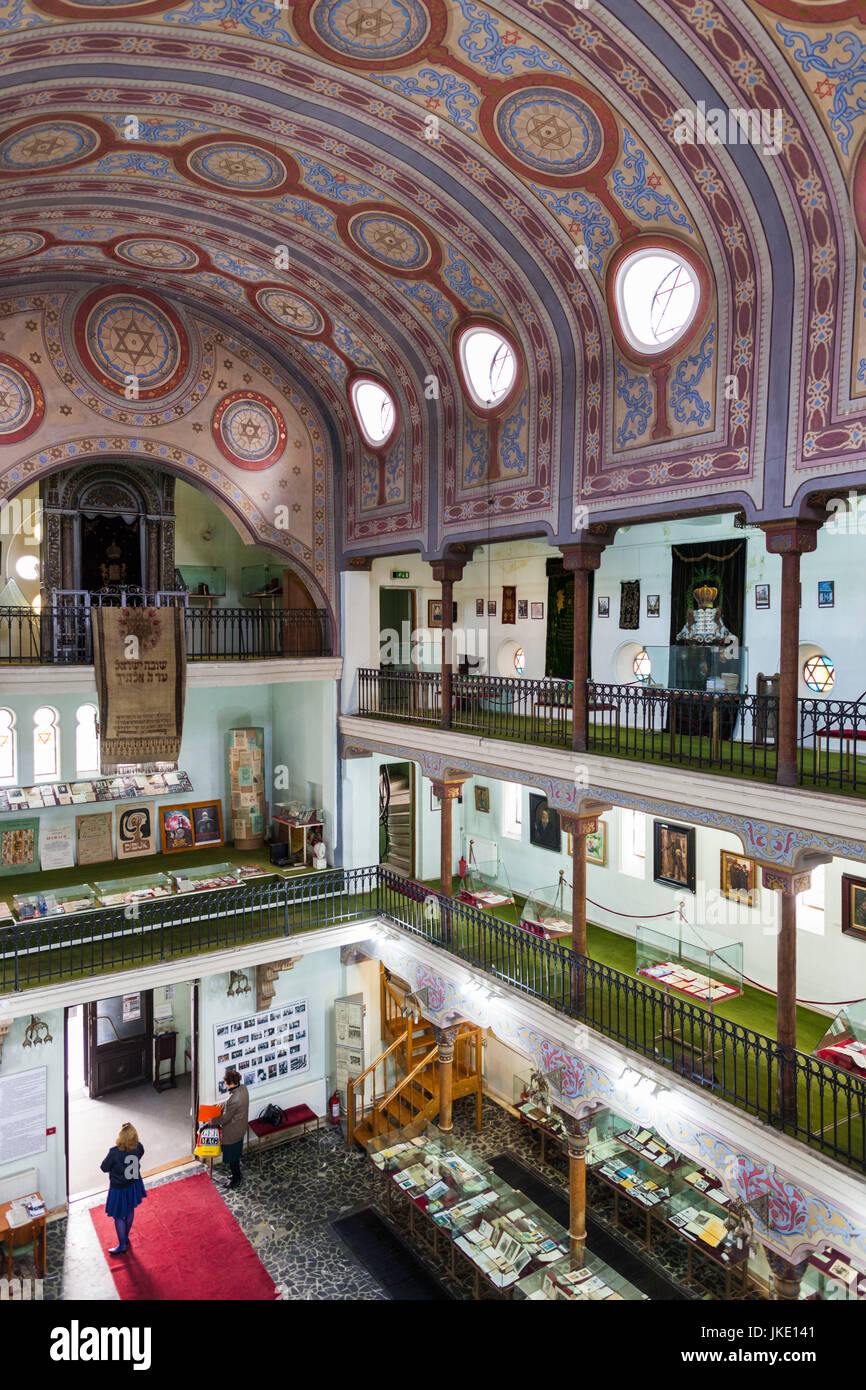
point(185, 1244)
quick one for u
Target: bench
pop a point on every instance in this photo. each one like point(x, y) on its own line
point(297, 1117)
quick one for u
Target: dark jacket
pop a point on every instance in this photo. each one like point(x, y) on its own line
point(114, 1164)
point(233, 1121)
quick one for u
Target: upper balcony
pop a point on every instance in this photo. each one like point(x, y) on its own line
point(61, 635)
point(724, 733)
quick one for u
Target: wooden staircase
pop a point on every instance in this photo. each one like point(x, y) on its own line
point(402, 1085)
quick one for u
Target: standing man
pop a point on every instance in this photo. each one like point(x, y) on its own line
point(233, 1124)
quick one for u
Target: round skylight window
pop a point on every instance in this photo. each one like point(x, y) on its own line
point(657, 296)
point(374, 410)
point(489, 365)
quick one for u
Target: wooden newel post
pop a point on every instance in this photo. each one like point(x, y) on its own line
point(445, 1040)
point(576, 1145)
point(447, 572)
point(580, 559)
point(787, 884)
point(790, 539)
point(446, 793)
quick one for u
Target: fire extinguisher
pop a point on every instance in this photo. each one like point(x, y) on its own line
point(334, 1108)
point(462, 867)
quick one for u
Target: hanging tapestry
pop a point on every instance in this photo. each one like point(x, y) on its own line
point(509, 604)
point(139, 657)
point(707, 592)
point(559, 653)
point(629, 603)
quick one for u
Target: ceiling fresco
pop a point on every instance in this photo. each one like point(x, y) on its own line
point(343, 185)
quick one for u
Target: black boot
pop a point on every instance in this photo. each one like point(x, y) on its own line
point(236, 1178)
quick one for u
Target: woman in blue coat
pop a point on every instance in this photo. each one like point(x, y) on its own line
point(126, 1189)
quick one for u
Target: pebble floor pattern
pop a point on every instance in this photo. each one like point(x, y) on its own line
point(286, 1210)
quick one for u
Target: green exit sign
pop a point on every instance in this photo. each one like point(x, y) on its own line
point(399, 574)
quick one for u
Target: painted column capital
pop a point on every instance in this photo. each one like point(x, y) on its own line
point(790, 881)
point(791, 536)
point(445, 1040)
point(448, 788)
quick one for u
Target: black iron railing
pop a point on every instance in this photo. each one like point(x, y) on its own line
point(716, 731)
point(62, 635)
point(727, 1059)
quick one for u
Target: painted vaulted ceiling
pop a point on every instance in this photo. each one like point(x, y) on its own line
point(314, 189)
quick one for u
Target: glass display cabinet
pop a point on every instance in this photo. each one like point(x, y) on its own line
point(844, 1043)
point(535, 1095)
point(53, 903)
point(700, 1221)
point(717, 667)
point(206, 877)
point(694, 961)
point(204, 581)
point(593, 1281)
point(485, 884)
point(832, 1276)
point(133, 890)
point(547, 911)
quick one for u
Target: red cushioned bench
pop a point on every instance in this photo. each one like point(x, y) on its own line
point(297, 1117)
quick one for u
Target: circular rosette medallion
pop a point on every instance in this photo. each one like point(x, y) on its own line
point(550, 131)
point(249, 430)
point(47, 145)
point(155, 253)
point(290, 311)
point(22, 404)
point(16, 244)
point(131, 341)
point(238, 166)
point(390, 240)
point(381, 29)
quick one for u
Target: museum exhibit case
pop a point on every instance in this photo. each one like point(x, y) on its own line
point(53, 902)
point(832, 1276)
point(207, 877)
point(547, 911)
point(692, 961)
point(844, 1043)
point(534, 1096)
point(593, 1281)
point(116, 892)
point(486, 884)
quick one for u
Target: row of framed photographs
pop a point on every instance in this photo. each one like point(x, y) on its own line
point(526, 609)
point(826, 599)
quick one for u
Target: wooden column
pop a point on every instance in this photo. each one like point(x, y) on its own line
point(787, 1277)
point(67, 553)
point(576, 1144)
point(579, 560)
point(787, 884)
point(445, 1040)
point(446, 791)
point(151, 581)
point(790, 539)
point(447, 572)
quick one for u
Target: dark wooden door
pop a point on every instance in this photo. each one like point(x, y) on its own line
point(119, 1042)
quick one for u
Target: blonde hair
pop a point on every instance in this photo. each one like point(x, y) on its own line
point(127, 1139)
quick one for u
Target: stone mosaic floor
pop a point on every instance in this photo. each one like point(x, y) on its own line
point(286, 1210)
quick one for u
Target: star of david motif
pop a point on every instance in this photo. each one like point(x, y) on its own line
point(287, 310)
point(9, 401)
point(549, 132)
point(133, 340)
point(250, 430)
point(43, 146)
point(159, 255)
point(236, 166)
point(370, 24)
point(389, 240)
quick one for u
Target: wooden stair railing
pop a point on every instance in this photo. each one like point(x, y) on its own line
point(406, 1094)
point(359, 1085)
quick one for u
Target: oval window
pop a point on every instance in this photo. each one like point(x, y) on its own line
point(657, 296)
point(375, 412)
point(488, 364)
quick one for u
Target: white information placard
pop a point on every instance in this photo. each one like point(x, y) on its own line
point(23, 1114)
point(266, 1048)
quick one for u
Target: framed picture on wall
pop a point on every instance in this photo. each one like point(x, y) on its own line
point(602, 607)
point(544, 827)
point(674, 855)
point(596, 845)
point(523, 608)
point(738, 878)
point(491, 608)
point(482, 799)
point(479, 608)
point(762, 595)
point(207, 823)
point(434, 612)
point(826, 593)
point(175, 823)
point(536, 610)
point(653, 605)
point(854, 906)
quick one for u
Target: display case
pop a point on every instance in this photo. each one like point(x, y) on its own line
point(132, 890)
point(844, 1043)
point(722, 668)
point(204, 581)
point(693, 961)
point(485, 884)
point(833, 1277)
point(535, 1102)
point(199, 880)
point(547, 911)
point(258, 581)
point(700, 1221)
point(54, 902)
point(593, 1281)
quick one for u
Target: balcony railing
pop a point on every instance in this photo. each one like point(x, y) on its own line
point(711, 730)
point(62, 635)
point(725, 1059)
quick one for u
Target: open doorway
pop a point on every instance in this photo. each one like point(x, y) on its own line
point(397, 612)
point(397, 817)
point(119, 1067)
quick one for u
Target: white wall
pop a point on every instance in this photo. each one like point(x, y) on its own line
point(303, 715)
point(51, 1165)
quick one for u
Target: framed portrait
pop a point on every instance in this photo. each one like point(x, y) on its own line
point(762, 595)
point(674, 855)
point(544, 827)
point(207, 823)
point(19, 845)
point(135, 830)
point(434, 612)
point(479, 608)
point(602, 607)
point(854, 906)
point(653, 605)
point(738, 878)
point(523, 608)
point(482, 799)
point(491, 608)
point(175, 823)
point(536, 610)
point(826, 593)
point(596, 845)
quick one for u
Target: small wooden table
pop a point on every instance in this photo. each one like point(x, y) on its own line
point(33, 1231)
